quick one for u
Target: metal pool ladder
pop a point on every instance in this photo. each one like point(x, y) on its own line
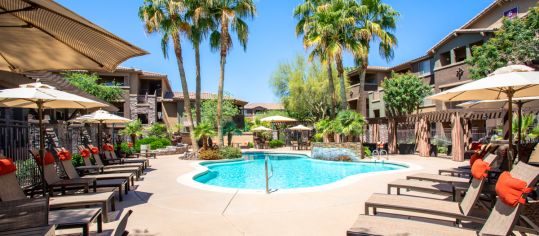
point(268, 176)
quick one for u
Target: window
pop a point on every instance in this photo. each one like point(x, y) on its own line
point(460, 54)
point(376, 113)
point(445, 58)
point(423, 67)
point(143, 118)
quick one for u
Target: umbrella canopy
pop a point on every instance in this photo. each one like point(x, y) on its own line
point(43, 35)
point(527, 102)
point(508, 82)
point(261, 129)
point(30, 95)
point(300, 128)
point(101, 116)
point(278, 119)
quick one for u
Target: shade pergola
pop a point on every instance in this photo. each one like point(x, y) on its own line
point(509, 82)
point(43, 35)
point(101, 117)
point(40, 96)
point(261, 129)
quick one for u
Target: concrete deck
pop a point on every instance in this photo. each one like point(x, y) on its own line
point(162, 206)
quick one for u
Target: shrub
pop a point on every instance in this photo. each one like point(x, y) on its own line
point(276, 143)
point(158, 130)
point(318, 137)
point(77, 160)
point(154, 142)
point(367, 151)
point(230, 152)
point(250, 145)
point(442, 149)
point(209, 154)
point(124, 147)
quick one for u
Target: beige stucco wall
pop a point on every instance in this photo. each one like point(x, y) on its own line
point(170, 113)
point(494, 18)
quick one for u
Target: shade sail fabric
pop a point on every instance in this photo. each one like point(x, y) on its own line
point(261, 129)
point(101, 116)
point(43, 35)
point(528, 102)
point(27, 95)
point(300, 128)
point(525, 84)
point(278, 119)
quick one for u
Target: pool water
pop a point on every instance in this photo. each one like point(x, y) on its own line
point(289, 171)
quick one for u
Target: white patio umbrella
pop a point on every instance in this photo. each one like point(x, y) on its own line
point(300, 128)
point(261, 129)
point(509, 82)
point(101, 117)
point(41, 96)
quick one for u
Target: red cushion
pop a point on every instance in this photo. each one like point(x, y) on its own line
point(480, 169)
point(85, 153)
point(476, 146)
point(475, 157)
point(510, 190)
point(49, 158)
point(94, 150)
point(7, 166)
point(64, 155)
point(108, 147)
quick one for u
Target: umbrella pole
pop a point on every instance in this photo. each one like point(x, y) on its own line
point(509, 93)
point(519, 105)
point(99, 134)
point(41, 145)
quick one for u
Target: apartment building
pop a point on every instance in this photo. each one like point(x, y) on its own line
point(251, 109)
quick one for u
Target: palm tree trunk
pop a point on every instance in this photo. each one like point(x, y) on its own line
point(340, 71)
point(224, 44)
point(331, 89)
point(185, 89)
point(229, 136)
point(361, 106)
point(198, 86)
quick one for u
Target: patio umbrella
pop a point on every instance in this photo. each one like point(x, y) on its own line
point(40, 96)
point(278, 119)
point(509, 82)
point(300, 128)
point(43, 35)
point(101, 117)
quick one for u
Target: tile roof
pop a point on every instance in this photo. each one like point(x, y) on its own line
point(268, 106)
point(205, 96)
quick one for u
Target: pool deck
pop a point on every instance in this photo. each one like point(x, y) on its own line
point(162, 206)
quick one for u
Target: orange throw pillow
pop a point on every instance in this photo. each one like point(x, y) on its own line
point(64, 155)
point(7, 166)
point(510, 190)
point(480, 169)
point(85, 153)
point(95, 150)
point(475, 157)
point(49, 159)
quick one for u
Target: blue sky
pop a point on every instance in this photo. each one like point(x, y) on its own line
point(272, 40)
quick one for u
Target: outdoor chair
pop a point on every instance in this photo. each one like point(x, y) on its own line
point(22, 217)
point(102, 169)
point(11, 191)
point(464, 171)
point(112, 163)
point(118, 228)
point(464, 210)
point(294, 145)
point(534, 156)
point(131, 160)
point(501, 221)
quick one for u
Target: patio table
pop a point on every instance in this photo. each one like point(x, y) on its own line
point(77, 218)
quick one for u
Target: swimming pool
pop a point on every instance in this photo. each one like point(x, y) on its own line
point(289, 171)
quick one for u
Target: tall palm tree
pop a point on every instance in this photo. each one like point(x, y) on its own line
point(228, 16)
point(375, 21)
point(199, 30)
point(167, 17)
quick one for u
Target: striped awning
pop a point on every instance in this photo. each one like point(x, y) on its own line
point(43, 35)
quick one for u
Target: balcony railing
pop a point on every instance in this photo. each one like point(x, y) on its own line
point(142, 99)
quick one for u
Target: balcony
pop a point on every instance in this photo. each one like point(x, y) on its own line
point(353, 91)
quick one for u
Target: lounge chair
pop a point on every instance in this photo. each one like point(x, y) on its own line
point(118, 228)
point(464, 171)
point(459, 211)
point(449, 189)
point(130, 159)
point(11, 190)
point(116, 162)
point(101, 169)
point(534, 156)
point(501, 220)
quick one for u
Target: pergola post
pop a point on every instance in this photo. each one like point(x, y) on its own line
point(422, 134)
point(457, 138)
point(392, 136)
point(467, 129)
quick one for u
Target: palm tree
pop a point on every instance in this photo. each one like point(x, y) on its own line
point(228, 16)
point(204, 131)
point(167, 17)
point(351, 123)
point(375, 21)
point(199, 29)
point(132, 129)
point(230, 129)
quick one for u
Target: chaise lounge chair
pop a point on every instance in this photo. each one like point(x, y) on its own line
point(11, 191)
point(464, 171)
point(501, 220)
point(534, 156)
point(448, 189)
point(102, 169)
point(454, 210)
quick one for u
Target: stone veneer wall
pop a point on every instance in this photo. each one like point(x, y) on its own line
point(147, 108)
point(333, 151)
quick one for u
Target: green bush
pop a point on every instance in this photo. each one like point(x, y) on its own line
point(154, 142)
point(250, 145)
point(124, 147)
point(209, 154)
point(318, 137)
point(367, 151)
point(276, 143)
point(230, 152)
point(77, 160)
point(442, 149)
